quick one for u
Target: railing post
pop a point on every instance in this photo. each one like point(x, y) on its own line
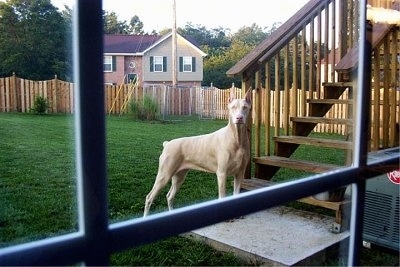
point(257, 114)
point(245, 86)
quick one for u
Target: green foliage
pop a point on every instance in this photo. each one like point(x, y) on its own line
point(180, 252)
point(218, 39)
point(112, 25)
point(215, 67)
point(40, 105)
point(38, 181)
point(146, 109)
point(34, 41)
point(37, 177)
point(136, 25)
point(221, 60)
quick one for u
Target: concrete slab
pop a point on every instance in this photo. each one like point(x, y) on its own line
point(275, 237)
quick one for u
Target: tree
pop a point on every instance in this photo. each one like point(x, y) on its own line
point(216, 40)
point(136, 26)
point(231, 49)
point(112, 25)
point(252, 35)
point(216, 66)
point(33, 42)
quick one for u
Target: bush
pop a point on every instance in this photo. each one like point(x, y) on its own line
point(40, 105)
point(147, 109)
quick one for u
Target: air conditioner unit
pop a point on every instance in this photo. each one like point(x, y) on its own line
point(381, 210)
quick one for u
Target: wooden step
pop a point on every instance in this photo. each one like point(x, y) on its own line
point(319, 107)
point(321, 142)
point(321, 120)
point(302, 126)
point(335, 90)
point(330, 101)
point(338, 84)
point(255, 183)
point(309, 166)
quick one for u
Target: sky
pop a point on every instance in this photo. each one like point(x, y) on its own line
point(157, 14)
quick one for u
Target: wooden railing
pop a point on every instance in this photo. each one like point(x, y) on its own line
point(300, 56)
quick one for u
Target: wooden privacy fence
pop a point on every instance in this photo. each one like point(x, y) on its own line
point(206, 102)
point(17, 95)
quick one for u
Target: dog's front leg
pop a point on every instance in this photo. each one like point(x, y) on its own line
point(221, 176)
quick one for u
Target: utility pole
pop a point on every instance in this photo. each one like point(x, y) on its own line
point(174, 46)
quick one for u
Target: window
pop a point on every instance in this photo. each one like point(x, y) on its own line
point(158, 64)
point(131, 78)
point(187, 64)
point(96, 240)
point(109, 64)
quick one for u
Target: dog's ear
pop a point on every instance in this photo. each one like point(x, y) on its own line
point(248, 95)
point(232, 95)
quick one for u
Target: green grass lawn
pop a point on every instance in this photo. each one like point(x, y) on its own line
point(37, 182)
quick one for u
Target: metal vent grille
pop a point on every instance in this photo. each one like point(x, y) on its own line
point(381, 219)
point(396, 227)
point(377, 214)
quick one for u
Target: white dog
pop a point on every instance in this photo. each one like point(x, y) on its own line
point(225, 152)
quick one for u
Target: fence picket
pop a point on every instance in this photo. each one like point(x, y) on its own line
point(17, 94)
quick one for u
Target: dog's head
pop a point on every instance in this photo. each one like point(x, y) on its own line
point(239, 109)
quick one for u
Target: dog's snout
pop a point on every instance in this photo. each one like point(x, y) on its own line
point(239, 118)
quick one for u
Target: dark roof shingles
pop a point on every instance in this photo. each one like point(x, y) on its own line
point(128, 43)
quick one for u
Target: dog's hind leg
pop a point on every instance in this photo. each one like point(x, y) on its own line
point(160, 182)
point(177, 181)
point(237, 182)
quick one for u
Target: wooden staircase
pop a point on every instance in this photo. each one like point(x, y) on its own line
point(267, 166)
point(285, 146)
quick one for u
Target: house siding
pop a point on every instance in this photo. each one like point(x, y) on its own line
point(123, 68)
point(116, 76)
point(122, 48)
point(137, 69)
point(165, 49)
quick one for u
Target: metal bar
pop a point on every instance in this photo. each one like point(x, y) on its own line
point(61, 250)
point(69, 249)
point(360, 150)
point(90, 130)
point(94, 242)
point(167, 224)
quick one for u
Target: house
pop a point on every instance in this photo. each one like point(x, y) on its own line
point(148, 58)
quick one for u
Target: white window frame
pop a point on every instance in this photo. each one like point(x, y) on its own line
point(158, 63)
point(107, 63)
point(187, 64)
point(96, 239)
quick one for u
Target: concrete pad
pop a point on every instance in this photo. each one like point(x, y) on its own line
point(275, 237)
